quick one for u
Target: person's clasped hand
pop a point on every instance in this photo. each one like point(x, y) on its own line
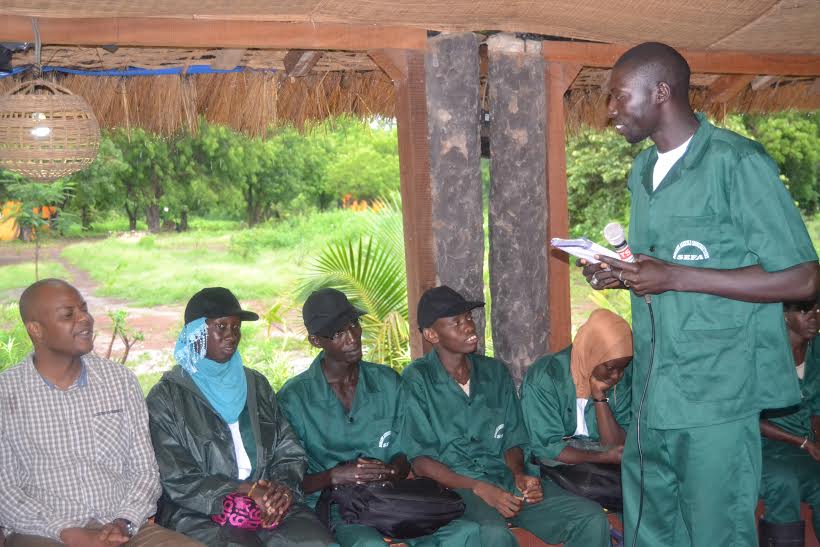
point(362, 471)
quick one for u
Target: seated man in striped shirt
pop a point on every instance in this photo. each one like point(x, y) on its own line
point(76, 462)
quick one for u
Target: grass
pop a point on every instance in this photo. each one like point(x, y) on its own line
point(14, 340)
point(20, 276)
point(168, 268)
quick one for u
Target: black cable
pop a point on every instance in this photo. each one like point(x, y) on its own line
point(640, 412)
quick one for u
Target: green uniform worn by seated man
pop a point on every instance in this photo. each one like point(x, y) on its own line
point(334, 435)
point(549, 404)
point(714, 233)
point(791, 449)
point(466, 431)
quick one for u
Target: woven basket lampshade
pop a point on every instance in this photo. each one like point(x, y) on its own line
point(46, 132)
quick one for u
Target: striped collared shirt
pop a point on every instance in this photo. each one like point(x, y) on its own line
point(71, 457)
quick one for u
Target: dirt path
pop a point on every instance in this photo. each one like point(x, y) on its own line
point(157, 324)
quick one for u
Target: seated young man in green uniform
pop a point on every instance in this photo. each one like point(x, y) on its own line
point(461, 425)
point(791, 449)
point(718, 245)
point(343, 408)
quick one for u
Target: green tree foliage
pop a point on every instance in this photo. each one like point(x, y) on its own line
point(364, 158)
point(99, 186)
point(793, 140)
point(31, 216)
point(371, 272)
point(149, 175)
point(598, 164)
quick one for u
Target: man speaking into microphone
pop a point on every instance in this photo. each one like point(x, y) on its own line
point(718, 246)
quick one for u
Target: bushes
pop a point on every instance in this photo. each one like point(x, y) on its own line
point(14, 341)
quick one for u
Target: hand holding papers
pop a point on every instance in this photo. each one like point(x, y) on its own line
point(582, 248)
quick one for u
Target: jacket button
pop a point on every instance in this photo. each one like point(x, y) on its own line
point(652, 249)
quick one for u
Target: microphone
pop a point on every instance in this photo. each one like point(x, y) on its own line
point(614, 234)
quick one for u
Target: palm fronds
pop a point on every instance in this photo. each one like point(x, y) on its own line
point(371, 272)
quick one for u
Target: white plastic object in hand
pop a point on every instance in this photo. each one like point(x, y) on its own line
point(582, 248)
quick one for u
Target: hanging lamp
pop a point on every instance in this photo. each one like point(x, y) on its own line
point(46, 131)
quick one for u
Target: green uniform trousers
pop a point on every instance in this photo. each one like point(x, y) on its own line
point(458, 533)
point(561, 518)
point(700, 485)
point(790, 475)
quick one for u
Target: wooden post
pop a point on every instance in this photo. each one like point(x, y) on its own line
point(455, 166)
point(518, 203)
point(406, 69)
point(558, 78)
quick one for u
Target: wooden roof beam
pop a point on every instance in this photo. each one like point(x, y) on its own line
point(704, 62)
point(726, 88)
point(299, 62)
point(207, 33)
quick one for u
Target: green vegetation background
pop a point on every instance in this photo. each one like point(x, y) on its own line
point(260, 216)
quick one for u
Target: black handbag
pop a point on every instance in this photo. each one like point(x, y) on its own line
point(406, 508)
point(599, 482)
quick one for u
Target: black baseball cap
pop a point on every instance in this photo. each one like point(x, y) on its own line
point(327, 311)
point(215, 302)
point(441, 302)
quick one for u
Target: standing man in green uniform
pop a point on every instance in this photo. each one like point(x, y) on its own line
point(343, 409)
point(791, 449)
point(462, 426)
point(718, 244)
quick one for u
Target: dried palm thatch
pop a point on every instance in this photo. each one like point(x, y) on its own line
point(249, 101)
point(585, 103)
point(253, 101)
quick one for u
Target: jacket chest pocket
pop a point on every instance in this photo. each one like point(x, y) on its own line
point(693, 241)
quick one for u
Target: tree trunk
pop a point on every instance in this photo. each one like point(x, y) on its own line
point(183, 221)
point(85, 217)
point(37, 259)
point(251, 208)
point(152, 218)
point(132, 218)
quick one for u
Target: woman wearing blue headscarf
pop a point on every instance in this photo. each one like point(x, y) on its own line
point(231, 467)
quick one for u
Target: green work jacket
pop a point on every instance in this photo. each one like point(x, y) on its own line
point(195, 451)
point(797, 419)
point(722, 206)
point(468, 434)
point(331, 435)
point(548, 403)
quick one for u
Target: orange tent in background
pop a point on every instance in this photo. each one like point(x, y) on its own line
point(9, 231)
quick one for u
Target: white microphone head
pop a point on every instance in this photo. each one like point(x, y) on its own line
point(614, 234)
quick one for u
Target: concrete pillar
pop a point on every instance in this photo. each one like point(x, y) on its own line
point(518, 201)
point(452, 76)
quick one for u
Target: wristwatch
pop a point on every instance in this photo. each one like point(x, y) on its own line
point(604, 400)
point(130, 528)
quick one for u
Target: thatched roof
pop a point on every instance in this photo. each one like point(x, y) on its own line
point(247, 101)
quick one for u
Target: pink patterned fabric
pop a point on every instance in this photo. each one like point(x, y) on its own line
point(240, 512)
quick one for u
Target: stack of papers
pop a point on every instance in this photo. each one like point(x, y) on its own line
point(582, 248)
